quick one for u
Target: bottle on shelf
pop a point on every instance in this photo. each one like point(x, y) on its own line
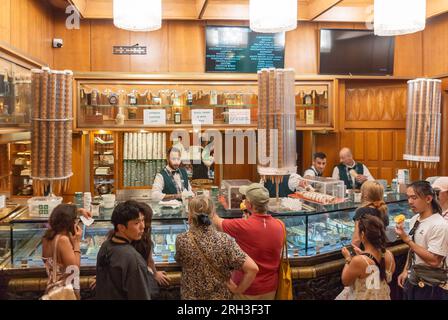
point(177, 116)
point(189, 98)
point(132, 111)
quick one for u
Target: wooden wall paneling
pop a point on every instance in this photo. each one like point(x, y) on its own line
point(386, 173)
point(399, 144)
point(78, 155)
point(372, 145)
point(19, 24)
point(301, 49)
point(341, 111)
point(308, 148)
point(186, 42)
point(76, 52)
point(358, 148)
point(5, 21)
point(387, 138)
point(408, 55)
point(41, 31)
point(104, 35)
point(156, 59)
point(435, 46)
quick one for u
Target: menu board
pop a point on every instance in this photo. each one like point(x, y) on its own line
point(238, 49)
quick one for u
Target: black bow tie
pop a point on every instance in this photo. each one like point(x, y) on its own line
point(175, 171)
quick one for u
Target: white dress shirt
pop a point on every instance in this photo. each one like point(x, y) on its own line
point(293, 182)
point(159, 184)
point(310, 172)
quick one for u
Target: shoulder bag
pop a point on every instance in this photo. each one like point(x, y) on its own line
point(284, 289)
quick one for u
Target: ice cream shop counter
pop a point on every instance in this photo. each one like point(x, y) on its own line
point(315, 235)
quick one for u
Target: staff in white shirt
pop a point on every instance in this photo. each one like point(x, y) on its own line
point(353, 173)
point(172, 180)
point(318, 167)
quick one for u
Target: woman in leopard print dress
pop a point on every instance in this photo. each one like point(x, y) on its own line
point(208, 257)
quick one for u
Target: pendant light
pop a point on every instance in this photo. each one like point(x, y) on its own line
point(269, 16)
point(138, 15)
point(398, 17)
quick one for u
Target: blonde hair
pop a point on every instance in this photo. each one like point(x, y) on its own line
point(201, 209)
point(372, 195)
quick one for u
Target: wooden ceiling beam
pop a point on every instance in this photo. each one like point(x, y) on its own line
point(436, 7)
point(318, 7)
point(80, 5)
point(201, 6)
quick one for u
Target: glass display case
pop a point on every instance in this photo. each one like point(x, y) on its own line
point(309, 234)
point(322, 190)
point(25, 242)
point(21, 182)
point(230, 196)
point(103, 162)
point(115, 101)
point(15, 95)
point(313, 104)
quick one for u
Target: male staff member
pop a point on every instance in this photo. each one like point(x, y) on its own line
point(318, 167)
point(353, 173)
point(172, 180)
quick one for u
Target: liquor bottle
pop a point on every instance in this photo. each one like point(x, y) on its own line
point(132, 111)
point(308, 100)
point(189, 98)
point(213, 98)
point(177, 116)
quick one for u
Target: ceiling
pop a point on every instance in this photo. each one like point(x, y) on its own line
point(308, 10)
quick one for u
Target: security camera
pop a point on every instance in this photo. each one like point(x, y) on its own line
point(58, 43)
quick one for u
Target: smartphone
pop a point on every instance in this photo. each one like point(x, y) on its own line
point(351, 250)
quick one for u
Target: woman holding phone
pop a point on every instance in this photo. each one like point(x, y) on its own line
point(61, 245)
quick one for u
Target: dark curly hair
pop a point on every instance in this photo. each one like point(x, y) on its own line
point(62, 219)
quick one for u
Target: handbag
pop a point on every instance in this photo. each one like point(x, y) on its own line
point(284, 288)
point(422, 275)
point(59, 290)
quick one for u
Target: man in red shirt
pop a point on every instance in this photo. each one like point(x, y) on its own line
point(261, 237)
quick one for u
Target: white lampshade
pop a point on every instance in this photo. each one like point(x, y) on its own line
point(398, 17)
point(138, 15)
point(270, 16)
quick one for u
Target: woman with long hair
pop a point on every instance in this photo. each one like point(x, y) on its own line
point(372, 196)
point(369, 273)
point(62, 241)
point(145, 246)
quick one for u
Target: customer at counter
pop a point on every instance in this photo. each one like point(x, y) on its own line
point(318, 167)
point(61, 246)
point(367, 274)
point(440, 186)
point(261, 237)
point(172, 180)
point(121, 271)
point(372, 203)
point(353, 173)
point(144, 246)
point(428, 246)
point(208, 257)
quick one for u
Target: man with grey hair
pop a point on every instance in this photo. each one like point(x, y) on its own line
point(353, 173)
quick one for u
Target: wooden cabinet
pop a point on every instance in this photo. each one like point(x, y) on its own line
point(115, 101)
